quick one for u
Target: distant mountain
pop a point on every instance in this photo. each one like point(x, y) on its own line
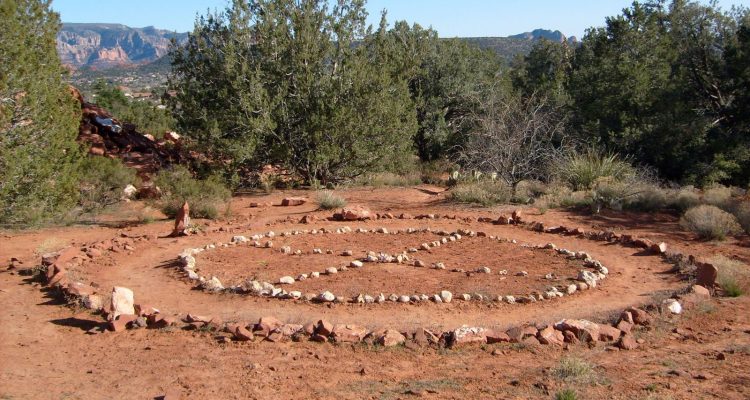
point(103, 46)
point(510, 46)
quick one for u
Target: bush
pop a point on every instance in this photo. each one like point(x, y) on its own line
point(686, 198)
point(742, 213)
point(327, 200)
point(527, 191)
point(103, 182)
point(582, 170)
point(391, 179)
point(483, 192)
point(710, 222)
point(733, 275)
point(649, 198)
point(719, 196)
point(205, 197)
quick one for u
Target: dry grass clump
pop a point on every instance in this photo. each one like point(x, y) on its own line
point(710, 222)
point(734, 276)
point(384, 179)
point(719, 196)
point(327, 200)
point(742, 213)
point(574, 369)
point(483, 192)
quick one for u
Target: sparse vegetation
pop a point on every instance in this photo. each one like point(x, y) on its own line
point(205, 197)
point(572, 369)
point(710, 222)
point(483, 192)
point(583, 170)
point(102, 183)
point(734, 276)
point(566, 394)
point(328, 200)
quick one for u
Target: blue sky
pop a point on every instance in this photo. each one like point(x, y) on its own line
point(449, 17)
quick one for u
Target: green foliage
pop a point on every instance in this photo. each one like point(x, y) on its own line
point(582, 170)
point(572, 369)
point(742, 213)
point(327, 200)
point(483, 192)
point(544, 71)
point(282, 82)
point(661, 83)
point(39, 157)
point(710, 222)
point(102, 182)
point(145, 116)
point(205, 197)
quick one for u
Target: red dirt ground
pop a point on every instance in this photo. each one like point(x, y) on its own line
point(45, 352)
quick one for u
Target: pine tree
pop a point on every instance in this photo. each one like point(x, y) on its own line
point(39, 156)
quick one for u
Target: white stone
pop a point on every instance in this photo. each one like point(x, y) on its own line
point(327, 297)
point(129, 191)
point(673, 306)
point(356, 264)
point(315, 274)
point(522, 273)
point(484, 270)
point(510, 299)
point(380, 299)
point(213, 284)
point(286, 280)
point(295, 294)
point(302, 277)
point(331, 270)
point(571, 289)
point(122, 301)
point(446, 296)
point(239, 239)
point(466, 297)
point(403, 299)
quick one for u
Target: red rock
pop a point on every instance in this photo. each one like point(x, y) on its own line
point(79, 289)
point(120, 323)
point(97, 150)
point(324, 328)
point(293, 201)
point(707, 274)
point(198, 318)
point(660, 248)
point(504, 220)
point(517, 216)
point(391, 338)
point(266, 325)
point(93, 253)
point(608, 333)
point(348, 333)
point(627, 316)
point(496, 336)
point(276, 337)
point(158, 321)
point(700, 291)
point(182, 221)
point(406, 216)
point(355, 213)
point(640, 317)
point(519, 333)
point(468, 335)
point(625, 326)
point(288, 329)
point(551, 336)
point(570, 337)
point(242, 334)
point(148, 191)
point(308, 219)
point(59, 279)
point(309, 328)
point(584, 330)
point(319, 338)
point(425, 337)
point(144, 310)
point(531, 341)
point(627, 342)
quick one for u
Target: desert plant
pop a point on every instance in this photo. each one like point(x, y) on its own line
point(566, 394)
point(648, 198)
point(528, 191)
point(582, 170)
point(733, 275)
point(742, 213)
point(327, 200)
point(483, 192)
point(719, 196)
point(686, 198)
point(573, 369)
point(382, 179)
point(178, 185)
point(102, 182)
point(710, 222)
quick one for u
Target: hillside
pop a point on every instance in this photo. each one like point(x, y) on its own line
point(508, 47)
point(104, 46)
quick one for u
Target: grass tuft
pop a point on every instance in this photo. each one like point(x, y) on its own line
point(327, 200)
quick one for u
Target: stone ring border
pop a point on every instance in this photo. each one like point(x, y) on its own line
point(561, 333)
point(187, 264)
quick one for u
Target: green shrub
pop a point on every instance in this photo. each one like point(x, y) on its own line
point(710, 222)
point(327, 200)
point(205, 197)
point(484, 192)
point(582, 170)
point(436, 172)
point(733, 275)
point(648, 198)
point(102, 182)
point(527, 191)
point(566, 394)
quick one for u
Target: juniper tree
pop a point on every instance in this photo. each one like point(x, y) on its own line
point(39, 156)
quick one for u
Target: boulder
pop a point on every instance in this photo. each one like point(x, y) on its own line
point(550, 335)
point(468, 335)
point(496, 336)
point(446, 296)
point(608, 333)
point(355, 213)
point(640, 317)
point(627, 342)
point(519, 333)
point(121, 322)
point(706, 275)
point(293, 201)
point(182, 221)
point(324, 328)
point(266, 325)
point(348, 333)
point(390, 338)
point(582, 329)
point(122, 301)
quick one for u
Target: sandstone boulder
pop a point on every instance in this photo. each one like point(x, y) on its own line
point(122, 301)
